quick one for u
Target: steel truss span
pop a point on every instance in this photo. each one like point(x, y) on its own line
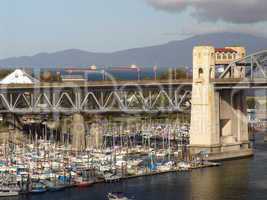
point(128, 99)
point(250, 68)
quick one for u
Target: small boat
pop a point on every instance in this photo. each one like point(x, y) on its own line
point(117, 196)
point(84, 183)
point(112, 177)
point(53, 186)
point(56, 188)
point(8, 193)
point(80, 182)
point(38, 188)
point(184, 165)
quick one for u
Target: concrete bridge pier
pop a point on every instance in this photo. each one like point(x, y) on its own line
point(78, 132)
point(14, 131)
point(218, 118)
point(95, 138)
point(265, 136)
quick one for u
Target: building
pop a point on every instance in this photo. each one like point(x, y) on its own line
point(227, 55)
point(19, 77)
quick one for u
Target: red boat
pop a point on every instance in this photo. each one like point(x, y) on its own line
point(83, 183)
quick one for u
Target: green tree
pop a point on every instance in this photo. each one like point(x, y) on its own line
point(252, 103)
point(178, 73)
point(4, 72)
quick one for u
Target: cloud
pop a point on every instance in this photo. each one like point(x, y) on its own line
point(194, 28)
point(205, 28)
point(235, 11)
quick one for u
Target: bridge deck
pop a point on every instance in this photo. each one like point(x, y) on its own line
point(94, 84)
point(240, 83)
point(219, 84)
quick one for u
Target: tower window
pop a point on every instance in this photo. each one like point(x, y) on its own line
point(200, 73)
point(211, 73)
point(234, 56)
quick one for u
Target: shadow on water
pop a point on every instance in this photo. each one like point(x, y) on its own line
point(244, 179)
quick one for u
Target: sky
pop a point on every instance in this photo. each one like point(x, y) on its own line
point(28, 27)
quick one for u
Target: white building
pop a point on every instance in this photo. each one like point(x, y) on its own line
point(19, 77)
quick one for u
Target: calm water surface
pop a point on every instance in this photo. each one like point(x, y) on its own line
point(234, 180)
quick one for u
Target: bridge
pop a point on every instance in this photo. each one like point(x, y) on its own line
point(216, 100)
point(96, 97)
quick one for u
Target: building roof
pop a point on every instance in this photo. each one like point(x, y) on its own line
point(225, 50)
point(18, 77)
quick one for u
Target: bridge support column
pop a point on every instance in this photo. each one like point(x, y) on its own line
point(14, 130)
point(265, 137)
point(95, 139)
point(218, 119)
point(78, 132)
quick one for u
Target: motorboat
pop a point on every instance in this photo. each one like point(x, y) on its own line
point(112, 177)
point(8, 191)
point(184, 165)
point(117, 196)
point(38, 188)
point(80, 182)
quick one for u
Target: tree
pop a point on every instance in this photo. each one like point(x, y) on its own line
point(4, 73)
point(252, 103)
point(177, 73)
point(48, 76)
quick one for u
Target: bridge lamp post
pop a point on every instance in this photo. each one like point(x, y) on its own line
point(186, 72)
point(138, 70)
point(92, 68)
point(155, 68)
point(103, 74)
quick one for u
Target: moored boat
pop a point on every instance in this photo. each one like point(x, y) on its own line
point(8, 193)
point(38, 188)
point(84, 183)
point(56, 188)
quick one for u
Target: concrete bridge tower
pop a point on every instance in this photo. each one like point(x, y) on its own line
point(204, 116)
point(218, 118)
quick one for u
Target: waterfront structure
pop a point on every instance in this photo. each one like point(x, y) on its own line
point(218, 114)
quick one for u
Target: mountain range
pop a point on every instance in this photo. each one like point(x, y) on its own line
point(172, 54)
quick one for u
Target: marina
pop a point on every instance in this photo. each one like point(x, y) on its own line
point(42, 165)
point(185, 184)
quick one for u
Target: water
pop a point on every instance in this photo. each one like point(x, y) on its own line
point(244, 179)
point(145, 73)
